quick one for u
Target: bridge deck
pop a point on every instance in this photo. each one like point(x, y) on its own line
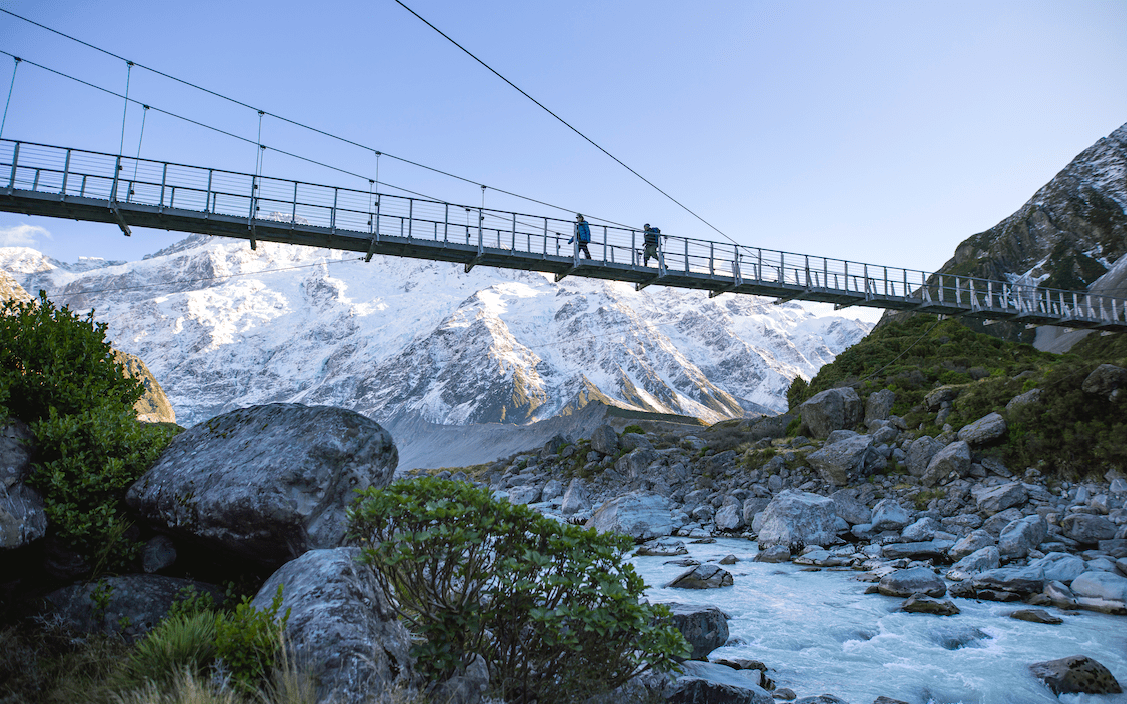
point(76, 184)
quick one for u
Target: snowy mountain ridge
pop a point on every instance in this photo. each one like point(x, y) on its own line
point(223, 326)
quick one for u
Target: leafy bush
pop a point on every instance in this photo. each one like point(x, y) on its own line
point(85, 463)
point(553, 609)
point(57, 373)
point(248, 640)
point(51, 358)
point(178, 643)
point(634, 429)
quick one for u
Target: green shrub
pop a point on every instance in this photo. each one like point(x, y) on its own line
point(52, 359)
point(248, 640)
point(554, 609)
point(634, 429)
point(85, 463)
point(797, 393)
point(178, 643)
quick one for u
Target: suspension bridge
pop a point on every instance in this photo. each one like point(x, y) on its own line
point(65, 182)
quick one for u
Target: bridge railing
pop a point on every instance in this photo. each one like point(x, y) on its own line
point(119, 180)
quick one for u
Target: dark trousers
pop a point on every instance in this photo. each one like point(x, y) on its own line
point(583, 248)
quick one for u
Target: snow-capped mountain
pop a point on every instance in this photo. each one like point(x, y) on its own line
point(223, 326)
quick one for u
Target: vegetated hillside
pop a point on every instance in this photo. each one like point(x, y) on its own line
point(1067, 431)
point(1066, 236)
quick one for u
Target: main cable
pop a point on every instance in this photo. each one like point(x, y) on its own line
point(304, 126)
point(565, 122)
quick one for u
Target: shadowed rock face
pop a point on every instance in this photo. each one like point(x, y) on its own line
point(153, 406)
point(268, 482)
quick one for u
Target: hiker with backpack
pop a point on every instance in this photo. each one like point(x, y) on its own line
point(583, 234)
point(651, 242)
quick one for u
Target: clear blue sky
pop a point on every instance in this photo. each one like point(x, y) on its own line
point(884, 132)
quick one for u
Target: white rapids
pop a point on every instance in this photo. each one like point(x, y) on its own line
point(821, 634)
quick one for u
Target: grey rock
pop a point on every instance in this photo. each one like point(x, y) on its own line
point(1075, 674)
point(17, 447)
point(773, 554)
point(466, 687)
point(704, 627)
point(604, 440)
point(1021, 536)
point(575, 498)
point(1087, 529)
point(553, 489)
point(951, 460)
point(879, 404)
point(527, 494)
point(888, 514)
point(702, 577)
point(821, 699)
point(159, 552)
point(635, 463)
point(129, 605)
point(962, 522)
point(633, 441)
point(917, 580)
point(986, 429)
point(917, 604)
point(844, 461)
point(1019, 581)
point(885, 435)
point(944, 394)
point(266, 483)
point(729, 517)
point(981, 560)
point(752, 507)
point(1101, 591)
point(23, 518)
point(839, 435)
point(1000, 520)
point(991, 500)
point(341, 625)
point(916, 551)
point(923, 529)
point(1025, 399)
point(796, 519)
point(1059, 566)
point(641, 516)
point(554, 445)
point(710, 683)
point(662, 547)
point(832, 409)
point(1060, 596)
point(1106, 379)
point(1036, 616)
point(920, 453)
point(849, 508)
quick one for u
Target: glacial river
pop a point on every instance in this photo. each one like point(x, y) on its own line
point(820, 633)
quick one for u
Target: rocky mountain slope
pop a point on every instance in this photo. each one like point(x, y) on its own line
point(223, 327)
point(1067, 235)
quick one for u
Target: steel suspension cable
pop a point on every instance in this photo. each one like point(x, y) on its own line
point(10, 88)
point(125, 110)
point(295, 123)
point(137, 160)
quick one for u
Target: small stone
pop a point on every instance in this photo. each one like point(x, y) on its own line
point(729, 560)
point(702, 577)
point(1036, 616)
point(918, 604)
point(1077, 674)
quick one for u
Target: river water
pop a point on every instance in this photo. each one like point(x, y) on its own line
point(820, 633)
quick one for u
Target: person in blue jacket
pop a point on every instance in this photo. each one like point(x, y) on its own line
point(582, 233)
point(651, 242)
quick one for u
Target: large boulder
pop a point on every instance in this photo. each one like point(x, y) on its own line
point(795, 519)
point(1087, 529)
point(986, 429)
point(1105, 380)
point(878, 405)
point(642, 516)
point(1059, 566)
point(635, 464)
point(1101, 591)
point(704, 627)
point(1078, 674)
point(844, 461)
point(130, 605)
point(341, 625)
point(702, 577)
point(849, 509)
point(832, 409)
point(729, 517)
point(575, 499)
point(917, 580)
point(973, 542)
point(994, 499)
point(1017, 581)
point(604, 440)
point(266, 483)
point(919, 454)
point(711, 683)
point(888, 514)
point(22, 516)
point(1021, 536)
point(978, 561)
point(951, 460)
